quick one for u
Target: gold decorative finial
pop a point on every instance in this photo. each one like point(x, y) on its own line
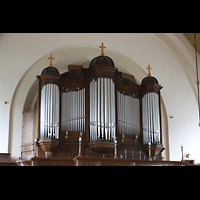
point(51, 60)
point(102, 47)
point(149, 68)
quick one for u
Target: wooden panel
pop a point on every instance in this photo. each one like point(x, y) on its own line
point(75, 67)
point(27, 129)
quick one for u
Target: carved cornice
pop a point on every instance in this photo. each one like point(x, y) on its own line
point(74, 75)
point(102, 72)
point(49, 79)
point(122, 80)
point(150, 87)
point(126, 86)
point(70, 88)
point(130, 93)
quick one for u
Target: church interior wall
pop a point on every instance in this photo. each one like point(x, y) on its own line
point(23, 56)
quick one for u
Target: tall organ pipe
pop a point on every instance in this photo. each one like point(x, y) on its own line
point(102, 109)
point(128, 114)
point(49, 111)
point(73, 111)
point(151, 119)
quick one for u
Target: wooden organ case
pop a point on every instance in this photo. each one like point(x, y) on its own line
point(102, 109)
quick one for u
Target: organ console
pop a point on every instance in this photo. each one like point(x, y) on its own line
point(112, 112)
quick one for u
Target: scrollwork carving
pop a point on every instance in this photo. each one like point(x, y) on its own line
point(74, 75)
point(126, 81)
point(70, 88)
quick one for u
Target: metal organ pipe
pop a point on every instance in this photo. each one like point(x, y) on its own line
point(73, 111)
point(128, 114)
point(49, 114)
point(99, 107)
point(42, 112)
point(102, 109)
point(107, 137)
point(109, 108)
point(113, 110)
point(151, 120)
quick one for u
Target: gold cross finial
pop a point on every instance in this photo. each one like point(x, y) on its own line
point(149, 68)
point(51, 60)
point(102, 47)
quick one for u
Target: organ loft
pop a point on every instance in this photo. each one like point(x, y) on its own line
point(94, 116)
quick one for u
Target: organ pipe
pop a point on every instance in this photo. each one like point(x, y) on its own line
point(102, 109)
point(151, 118)
point(128, 114)
point(49, 111)
point(73, 111)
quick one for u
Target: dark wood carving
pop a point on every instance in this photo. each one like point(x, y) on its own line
point(102, 72)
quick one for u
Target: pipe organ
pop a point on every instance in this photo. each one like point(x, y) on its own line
point(103, 105)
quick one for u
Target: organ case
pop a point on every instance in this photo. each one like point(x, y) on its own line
point(106, 107)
